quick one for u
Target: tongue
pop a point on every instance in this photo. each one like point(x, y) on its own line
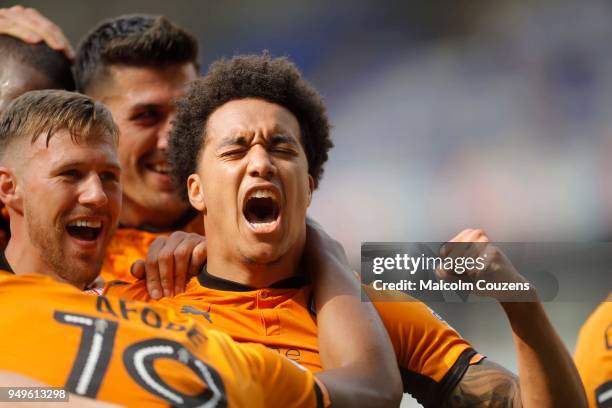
point(83, 233)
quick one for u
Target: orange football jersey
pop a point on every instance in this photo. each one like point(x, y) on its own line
point(432, 356)
point(131, 244)
point(594, 355)
point(137, 354)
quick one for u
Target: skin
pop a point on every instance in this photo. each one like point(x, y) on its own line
point(548, 375)
point(30, 26)
point(45, 188)
point(142, 102)
point(17, 79)
point(252, 143)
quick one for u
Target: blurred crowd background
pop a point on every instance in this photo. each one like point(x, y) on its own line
point(447, 115)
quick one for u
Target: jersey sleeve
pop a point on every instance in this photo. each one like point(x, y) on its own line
point(285, 383)
point(432, 356)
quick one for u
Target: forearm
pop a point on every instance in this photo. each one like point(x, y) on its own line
point(351, 387)
point(360, 363)
point(353, 343)
point(547, 373)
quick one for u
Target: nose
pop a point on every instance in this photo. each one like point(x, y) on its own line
point(92, 192)
point(164, 133)
point(259, 164)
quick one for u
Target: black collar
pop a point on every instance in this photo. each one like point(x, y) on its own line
point(185, 219)
point(4, 265)
point(214, 282)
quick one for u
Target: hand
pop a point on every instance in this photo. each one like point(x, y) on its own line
point(495, 269)
point(28, 25)
point(320, 244)
point(171, 261)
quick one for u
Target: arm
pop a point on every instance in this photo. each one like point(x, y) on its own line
point(547, 374)
point(360, 364)
point(486, 384)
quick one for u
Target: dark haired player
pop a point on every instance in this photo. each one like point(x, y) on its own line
point(138, 66)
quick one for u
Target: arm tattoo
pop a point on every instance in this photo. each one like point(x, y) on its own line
point(486, 385)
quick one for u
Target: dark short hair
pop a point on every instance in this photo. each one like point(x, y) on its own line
point(137, 40)
point(275, 80)
point(46, 112)
point(53, 65)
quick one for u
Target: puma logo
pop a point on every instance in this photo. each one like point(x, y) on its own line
point(193, 310)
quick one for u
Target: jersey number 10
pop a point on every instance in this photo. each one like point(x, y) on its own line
point(93, 358)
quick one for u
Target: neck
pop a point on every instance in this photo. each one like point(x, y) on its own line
point(257, 275)
point(26, 258)
point(135, 215)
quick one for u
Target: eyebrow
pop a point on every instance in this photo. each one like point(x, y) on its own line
point(144, 106)
point(282, 138)
point(76, 163)
point(232, 141)
point(242, 140)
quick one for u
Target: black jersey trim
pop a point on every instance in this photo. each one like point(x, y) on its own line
point(4, 265)
point(319, 395)
point(603, 399)
point(430, 393)
point(214, 282)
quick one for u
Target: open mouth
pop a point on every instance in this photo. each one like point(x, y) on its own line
point(161, 168)
point(261, 209)
point(84, 230)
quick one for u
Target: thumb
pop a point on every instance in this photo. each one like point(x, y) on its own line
point(138, 269)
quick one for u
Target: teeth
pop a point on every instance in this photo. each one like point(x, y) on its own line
point(261, 225)
point(161, 168)
point(85, 223)
point(262, 194)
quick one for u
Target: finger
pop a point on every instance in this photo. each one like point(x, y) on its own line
point(21, 17)
point(20, 32)
point(182, 258)
point(460, 237)
point(152, 270)
point(49, 31)
point(477, 235)
point(138, 270)
point(165, 263)
point(153, 283)
point(198, 258)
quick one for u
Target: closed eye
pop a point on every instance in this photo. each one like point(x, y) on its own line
point(284, 150)
point(109, 176)
point(233, 153)
point(71, 174)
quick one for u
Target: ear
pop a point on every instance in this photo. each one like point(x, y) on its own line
point(10, 193)
point(311, 187)
point(195, 190)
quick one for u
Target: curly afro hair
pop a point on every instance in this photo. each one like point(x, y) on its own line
point(275, 80)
